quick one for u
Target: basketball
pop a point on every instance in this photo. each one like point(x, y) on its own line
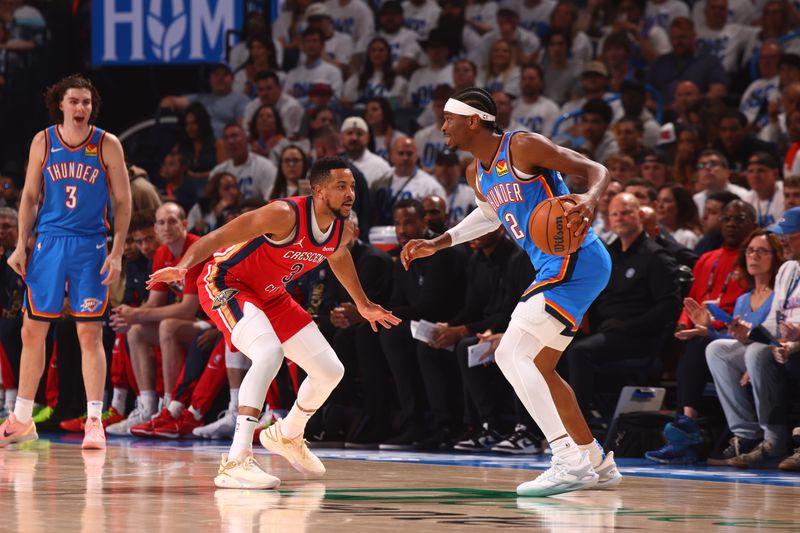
point(547, 226)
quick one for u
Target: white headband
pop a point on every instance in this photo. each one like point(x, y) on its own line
point(460, 108)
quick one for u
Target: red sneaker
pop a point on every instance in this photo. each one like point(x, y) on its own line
point(146, 429)
point(111, 416)
point(73, 425)
point(179, 427)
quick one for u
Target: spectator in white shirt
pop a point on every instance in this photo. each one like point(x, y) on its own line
point(420, 16)
point(524, 42)
point(561, 73)
point(532, 111)
point(355, 138)
point(501, 72)
point(465, 74)
point(760, 92)
point(437, 72)
point(377, 78)
point(713, 175)
point(766, 192)
point(300, 78)
point(723, 39)
point(564, 17)
point(534, 15)
point(379, 116)
point(404, 180)
point(406, 52)
point(269, 91)
point(430, 140)
point(662, 12)
point(254, 174)
point(222, 103)
point(355, 18)
point(338, 45)
point(652, 40)
point(481, 15)
point(460, 196)
point(261, 57)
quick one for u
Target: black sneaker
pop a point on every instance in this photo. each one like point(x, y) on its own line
point(437, 442)
point(736, 447)
point(480, 441)
point(403, 441)
point(521, 442)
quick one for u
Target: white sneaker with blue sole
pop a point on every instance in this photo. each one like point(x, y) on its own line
point(561, 477)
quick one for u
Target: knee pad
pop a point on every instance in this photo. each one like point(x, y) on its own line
point(254, 326)
point(516, 344)
point(236, 359)
point(309, 349)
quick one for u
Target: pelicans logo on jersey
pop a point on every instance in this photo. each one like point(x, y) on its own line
point(501, 168)
point(223, 298)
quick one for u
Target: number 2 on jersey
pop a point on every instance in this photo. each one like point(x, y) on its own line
point(72, 200)
point(514, 226)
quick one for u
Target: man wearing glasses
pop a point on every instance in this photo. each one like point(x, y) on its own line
point(713, 175)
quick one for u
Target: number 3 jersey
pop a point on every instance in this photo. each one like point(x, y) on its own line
point(265, 267)
point(75, 182)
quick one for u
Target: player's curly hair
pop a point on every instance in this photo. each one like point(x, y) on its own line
point(482, 100)
point(55, 93)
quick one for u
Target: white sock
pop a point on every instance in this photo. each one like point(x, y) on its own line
point(596, 453)
point(295, 422)
point(195, 413)
point(565, 448)
point(11, 397)
point(94, 409)
point(167, 399)
point(149, 401)
point(234, 403)
point(175, 408)
point(243, 436)
point(23, 410)
point(118, 400)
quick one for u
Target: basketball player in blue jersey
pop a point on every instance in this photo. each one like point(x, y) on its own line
point(512, 173)
point(78, 173)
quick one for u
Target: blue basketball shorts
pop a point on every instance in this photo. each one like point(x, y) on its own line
point(568, 285)
point(69, 266)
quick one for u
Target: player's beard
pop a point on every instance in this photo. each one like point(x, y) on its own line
point(337, 211)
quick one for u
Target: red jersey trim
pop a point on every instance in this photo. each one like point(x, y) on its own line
point(338, 223)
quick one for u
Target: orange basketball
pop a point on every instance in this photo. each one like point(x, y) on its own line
point(547, 226)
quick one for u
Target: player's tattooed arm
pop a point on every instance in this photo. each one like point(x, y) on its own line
point(276, 220)
point(532, 150)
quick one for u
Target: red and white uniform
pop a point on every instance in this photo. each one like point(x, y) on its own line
point(257, 271)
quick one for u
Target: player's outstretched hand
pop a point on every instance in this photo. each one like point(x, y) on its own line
point(416, 249)
point(166, 275)
point(112, 267)
point(375, 314)
point(17, 260)
point(581, 213)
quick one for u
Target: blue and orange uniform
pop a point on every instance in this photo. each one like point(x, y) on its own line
point(71, 229)
point(569, 283)
point(257, 272)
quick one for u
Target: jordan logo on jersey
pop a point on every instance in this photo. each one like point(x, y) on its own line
point(501, 168)
point(223, 298)
point(300, 242)
point(90, 305)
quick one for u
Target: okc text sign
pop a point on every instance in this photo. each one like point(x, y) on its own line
point(129, 32)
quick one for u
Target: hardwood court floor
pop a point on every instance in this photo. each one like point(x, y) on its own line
point(158, 487)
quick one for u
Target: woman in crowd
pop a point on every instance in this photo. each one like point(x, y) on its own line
point(196, 142)
point(208, 213)
point(677, 212)
point(293, 165)
point(501, 72)
point(267, 136)
point(377, 78)
point(263, 56)
point(380, 119)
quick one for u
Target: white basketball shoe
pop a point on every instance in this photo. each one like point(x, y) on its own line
point(222, 428)
point(243, 473)
point(136, 417)
point(608, 473)
point(561, 477)
point(293, 450)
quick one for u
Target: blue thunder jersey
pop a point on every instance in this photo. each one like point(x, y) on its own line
point(514, 198)
point(76, 191)
point(569, 284)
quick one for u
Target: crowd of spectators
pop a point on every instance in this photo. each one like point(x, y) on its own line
point(695, 110)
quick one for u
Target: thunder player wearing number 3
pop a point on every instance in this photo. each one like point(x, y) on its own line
point(78, 170)
point(512, 174)
point(242, 290)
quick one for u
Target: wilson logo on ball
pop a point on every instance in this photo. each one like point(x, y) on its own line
point(558, 237)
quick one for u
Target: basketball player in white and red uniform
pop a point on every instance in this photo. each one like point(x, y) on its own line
point(242, 290)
